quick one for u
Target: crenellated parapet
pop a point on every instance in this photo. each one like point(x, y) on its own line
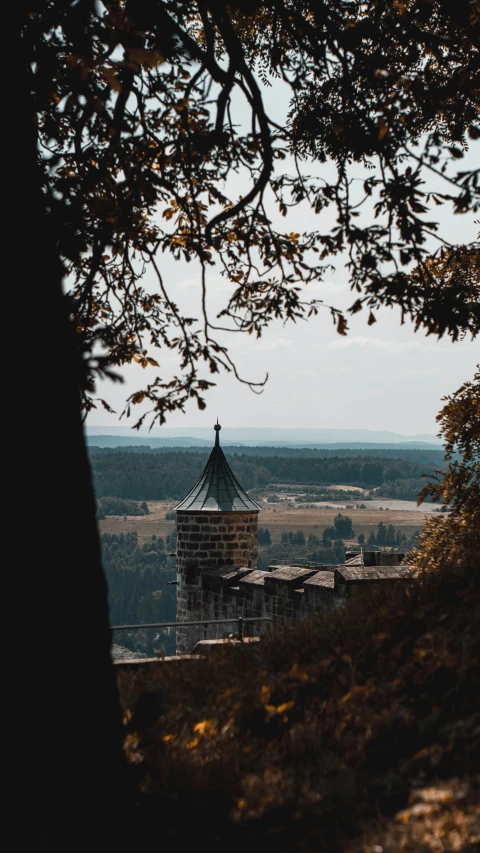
point(285, 594)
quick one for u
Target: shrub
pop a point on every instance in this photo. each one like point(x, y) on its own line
point(264, 537)
point(120, 506)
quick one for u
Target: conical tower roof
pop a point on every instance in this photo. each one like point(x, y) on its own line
point(217, 489)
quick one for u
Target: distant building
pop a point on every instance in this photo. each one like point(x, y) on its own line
point(217, 526)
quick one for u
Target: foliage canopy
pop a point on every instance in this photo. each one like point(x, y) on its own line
point(136, 106)
point(455, 540)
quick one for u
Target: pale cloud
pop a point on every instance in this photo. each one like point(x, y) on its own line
point(336, 369)
point(275, 343)
point(386, 346)
point(219, 285)
point(303, 374)
point(417, 373)
point(216, 285)
point(298, 374)
point(321, 289)
point(247, 345)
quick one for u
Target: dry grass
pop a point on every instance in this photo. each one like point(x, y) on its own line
point(144, 525)
point(276, 519)
point(279, 519)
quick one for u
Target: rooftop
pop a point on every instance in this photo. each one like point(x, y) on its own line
point(326, 579)
point(364, 574)
point(217, 489)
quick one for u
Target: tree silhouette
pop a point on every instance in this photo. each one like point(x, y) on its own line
point(135, 108)
point(343, 527)
point(128, 137)
point(454, 541)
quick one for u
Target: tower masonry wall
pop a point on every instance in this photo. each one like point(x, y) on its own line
point(216, 539)
point(209, 540)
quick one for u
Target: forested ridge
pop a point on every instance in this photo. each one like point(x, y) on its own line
point(423, 456)
point(159, 476)
point(139, 591)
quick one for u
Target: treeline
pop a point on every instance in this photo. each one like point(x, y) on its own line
point(329, 549)
point(387, 536)
point(421, 457)
point(159, 476)
point(292, 550)
point(139, 591)
point(404, 490)
point(120, 506)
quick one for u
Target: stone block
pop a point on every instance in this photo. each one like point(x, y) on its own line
point(211, 647)
point(290, 576)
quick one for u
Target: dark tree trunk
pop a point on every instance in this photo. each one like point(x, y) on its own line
point(67, 716)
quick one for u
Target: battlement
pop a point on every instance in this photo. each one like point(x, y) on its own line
point(285, 594)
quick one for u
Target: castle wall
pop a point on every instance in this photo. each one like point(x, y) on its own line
point(217, 579)
point(285, 594)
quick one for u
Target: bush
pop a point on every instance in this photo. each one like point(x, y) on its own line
point(343, 527)
point(120, 506)
point(325, 732)
point(264, 537)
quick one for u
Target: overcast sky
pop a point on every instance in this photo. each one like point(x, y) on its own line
point(383, 376)
point(379, 377)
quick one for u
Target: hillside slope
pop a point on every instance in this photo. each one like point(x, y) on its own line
point(327, 736)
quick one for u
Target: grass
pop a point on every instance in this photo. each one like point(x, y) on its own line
point(276, 519)
point(323, 736)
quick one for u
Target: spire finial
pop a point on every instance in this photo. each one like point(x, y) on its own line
point(217, 429)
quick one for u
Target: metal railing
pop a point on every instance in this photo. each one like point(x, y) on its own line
point(239, 620)
point(301, 564)
point(385, 549)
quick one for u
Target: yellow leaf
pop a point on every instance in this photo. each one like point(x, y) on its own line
point(382, 128)
point(285, 707)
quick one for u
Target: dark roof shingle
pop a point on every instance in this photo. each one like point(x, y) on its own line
point(217, 489)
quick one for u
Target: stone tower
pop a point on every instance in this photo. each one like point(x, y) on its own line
point(217, 525)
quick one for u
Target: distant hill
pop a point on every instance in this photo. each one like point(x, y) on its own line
point(144, 441)
point(258, 436)
point(137, 442)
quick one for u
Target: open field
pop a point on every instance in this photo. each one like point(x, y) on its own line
point(145, 525)
point(276, 518)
